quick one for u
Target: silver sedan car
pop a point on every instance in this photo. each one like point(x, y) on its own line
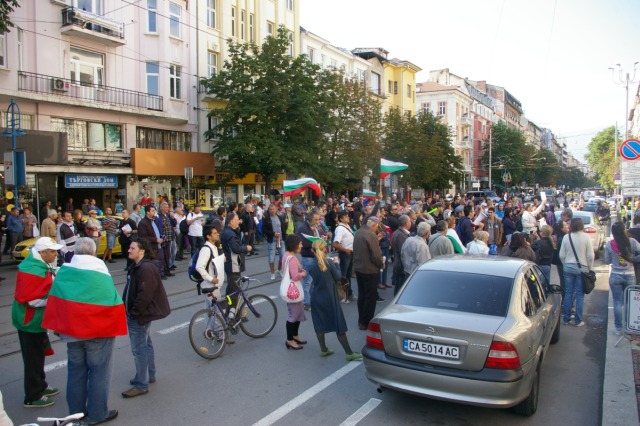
point(473, 330)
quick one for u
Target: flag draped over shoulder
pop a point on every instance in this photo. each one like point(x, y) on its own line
point(83, 301)
point(293, 187)
point(33, 282)
point(387, 167)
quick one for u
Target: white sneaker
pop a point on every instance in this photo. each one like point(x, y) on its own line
point(273, 276)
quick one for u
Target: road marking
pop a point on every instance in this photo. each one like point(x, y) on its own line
point(186, 324)
point(362, 412)
point(306, 395)
point(55, 366)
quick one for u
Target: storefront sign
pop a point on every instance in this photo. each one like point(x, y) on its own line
point(90, 181)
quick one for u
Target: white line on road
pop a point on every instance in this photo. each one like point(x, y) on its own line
point(55, 366)
point(355, 418)
point(186, 324)
point(306, 395)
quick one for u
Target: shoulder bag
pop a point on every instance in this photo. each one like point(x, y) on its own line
point(290, 290)
point(588, 278)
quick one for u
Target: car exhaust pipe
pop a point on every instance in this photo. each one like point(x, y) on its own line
point(380, 389)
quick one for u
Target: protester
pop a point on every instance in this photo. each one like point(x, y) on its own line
point(326, 311)
point(195, 220)
point(212, 277)
point(399, 237)
point(308, 228)
point(234, 252)
point(415, 250)
point(295, 311)
point(49, 226)
point(439, 244)
point(544, 249)
point(479, 244)
point(33, 283)
point(145, 300)
point(110, 225)
point(272, 226)
point(67, 236)
point(343, 243)
point(367, 262)
point(128, 233)
point(87, 312)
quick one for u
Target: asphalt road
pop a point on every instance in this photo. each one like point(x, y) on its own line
point(258, 381)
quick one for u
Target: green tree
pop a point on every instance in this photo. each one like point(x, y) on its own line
point(276, 110)
point(601, 156)
point(353, 133)
point(6, 8)
point(507, 149)
point(543, 164)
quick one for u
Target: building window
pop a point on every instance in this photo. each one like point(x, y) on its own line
point(408, 90)
point(162, 139)
point(252, 36)
point(211, 13)
point(290, 49)
point(3, 50)
point(212, 124)
point(153, 78)
point(395, 87)
point(26, 121)
point(175, 13)
point(375, 83)
point(87, 135)
point(333, 64)
point(233, 21)
point(290, 5)
point(442, 108)
point(152, 17)
point(311, 54)
point(174, 81)
point(212, 63)
point(242, 21)
point(426, 107)
point(87, 68)
point(362, 75)
point(390, 88)
point(270, 26)
point(20, 35)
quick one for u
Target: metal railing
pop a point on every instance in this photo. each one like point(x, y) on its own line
point(32, 82)
point(90, 21)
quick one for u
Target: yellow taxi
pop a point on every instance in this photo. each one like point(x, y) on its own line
point(21, 250)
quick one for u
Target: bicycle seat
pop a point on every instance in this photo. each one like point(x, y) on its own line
point(208, 289)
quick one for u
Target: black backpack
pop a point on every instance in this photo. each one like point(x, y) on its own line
point(193, 273)
point(183, 227)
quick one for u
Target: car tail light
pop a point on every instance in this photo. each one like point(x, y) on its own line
point(502, 355)
point(374, 337)
point(590, 230)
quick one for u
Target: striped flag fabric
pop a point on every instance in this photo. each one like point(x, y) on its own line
point(313, 238)
point(83, 301)
point(293, 187)
point(387, 167)
point(369, 194)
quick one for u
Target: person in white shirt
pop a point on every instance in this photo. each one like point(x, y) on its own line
point(529, 214)
point(195, 220)
point(343, 242)
point(479, 244)
point(179, 215)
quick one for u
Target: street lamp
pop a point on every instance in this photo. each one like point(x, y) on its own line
point(13, 130)
point(626, 81)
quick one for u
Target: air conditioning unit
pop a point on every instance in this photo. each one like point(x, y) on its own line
point(59, 85)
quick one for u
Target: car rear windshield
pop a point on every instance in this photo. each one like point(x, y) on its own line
point(586, 219)
point(457, 291)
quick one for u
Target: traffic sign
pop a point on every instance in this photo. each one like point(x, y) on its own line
point(630, 149)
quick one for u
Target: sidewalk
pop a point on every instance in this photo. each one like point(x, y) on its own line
point(621, 389)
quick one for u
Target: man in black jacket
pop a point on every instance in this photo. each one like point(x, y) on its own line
point(234, 252)
point(248, 226)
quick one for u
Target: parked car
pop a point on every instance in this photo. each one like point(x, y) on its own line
point(614, 202)
point(592, 227)
point(484, 193)
point(589, 207)
point(21, 250)
point(466, 329)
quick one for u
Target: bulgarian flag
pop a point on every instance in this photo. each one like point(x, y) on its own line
point(369, 194)
point(314, 239)
point(293, 187)
point(387, 167)
point(83, 301)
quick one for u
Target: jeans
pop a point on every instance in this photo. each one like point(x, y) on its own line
point(573, 286)
point(196, 243)
point(618, 283)
point(89, 376)
point(307, 263)
point(143, 355)
point(173, 251)
point(546, 270)
point(272, 250)
point(346, 269)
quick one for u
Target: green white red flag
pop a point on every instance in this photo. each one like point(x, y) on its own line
point(314, 239)
point(369, 194)
point(387, 167)
point(83, 301)
point(293, 187)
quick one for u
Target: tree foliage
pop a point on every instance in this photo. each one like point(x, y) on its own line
point(601, 156)
point(507, 153)
point(6, 8)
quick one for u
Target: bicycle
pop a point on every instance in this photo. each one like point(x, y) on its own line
point(72, 420)
point(210, 327)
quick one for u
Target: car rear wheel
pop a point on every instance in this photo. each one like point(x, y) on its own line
point(555, 337)
point(529, 406)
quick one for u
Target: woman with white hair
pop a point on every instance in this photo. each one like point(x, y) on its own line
point(479, 244)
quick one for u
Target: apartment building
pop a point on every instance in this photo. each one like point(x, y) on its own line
point(243, 21)
point(104, 90)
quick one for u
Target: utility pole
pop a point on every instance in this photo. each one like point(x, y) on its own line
point(625, 81)
point(490, 157)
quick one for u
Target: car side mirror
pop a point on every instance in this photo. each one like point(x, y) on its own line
point(555, 288)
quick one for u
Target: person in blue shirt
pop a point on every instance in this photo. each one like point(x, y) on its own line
point(15, 228)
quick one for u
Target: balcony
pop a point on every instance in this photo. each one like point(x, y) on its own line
point(89, 26)
point(204, 93)
point(38, 83)
point(466, 120)
point(466, 143)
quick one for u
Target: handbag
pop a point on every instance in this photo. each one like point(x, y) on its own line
point(36, 231)
point(341, 287)
point(589, 277)
point(290, 290)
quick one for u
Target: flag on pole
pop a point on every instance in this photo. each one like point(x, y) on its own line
point(293, 187)
point(369, 194)
point(387, 167)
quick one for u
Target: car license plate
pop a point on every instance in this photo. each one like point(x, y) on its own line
point(433, 349)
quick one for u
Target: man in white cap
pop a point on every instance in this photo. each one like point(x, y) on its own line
point(33, 283)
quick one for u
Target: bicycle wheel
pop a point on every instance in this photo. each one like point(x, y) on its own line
point(261, 324)
point(207, 333)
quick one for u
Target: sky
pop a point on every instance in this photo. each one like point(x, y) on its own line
point(552, 55)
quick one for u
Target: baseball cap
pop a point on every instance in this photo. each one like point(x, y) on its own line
point(287, 206)
point(458, 209)
point(46, 243)
point(372, 220)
